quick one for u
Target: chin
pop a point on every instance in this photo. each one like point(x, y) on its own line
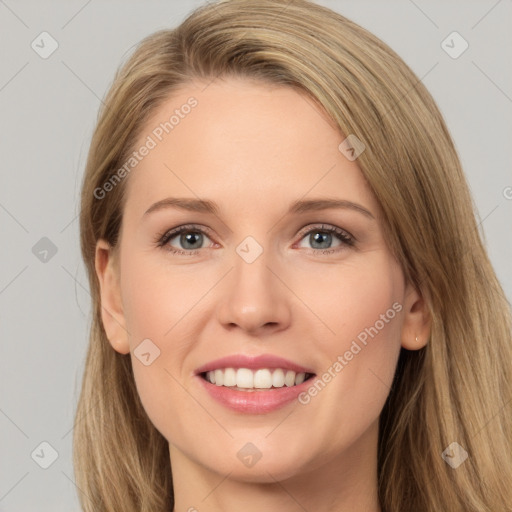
point(268, 468)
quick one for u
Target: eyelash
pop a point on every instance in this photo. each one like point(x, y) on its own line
point(345, 238)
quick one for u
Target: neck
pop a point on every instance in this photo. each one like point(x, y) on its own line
point(346, 482)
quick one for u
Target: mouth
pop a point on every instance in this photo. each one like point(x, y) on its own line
point(254, 384)
point(253, 380)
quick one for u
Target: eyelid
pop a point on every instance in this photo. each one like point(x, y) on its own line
point(330, 228)
point(171, 233)
point(163, 238)
point(346, 238)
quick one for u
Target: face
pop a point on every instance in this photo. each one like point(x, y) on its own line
point(262, 272)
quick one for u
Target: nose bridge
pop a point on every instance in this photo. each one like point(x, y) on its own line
point(254, 296)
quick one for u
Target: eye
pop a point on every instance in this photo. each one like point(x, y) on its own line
point(322, 237)
point(189, 238)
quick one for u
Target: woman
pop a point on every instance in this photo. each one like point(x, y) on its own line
point(292, 305)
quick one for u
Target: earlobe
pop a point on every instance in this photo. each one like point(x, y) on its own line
point(112, 313)
point(417, 320)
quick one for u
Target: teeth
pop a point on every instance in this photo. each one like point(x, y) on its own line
point(289, 378)
point(229, 377)
point(264, 378)
point(300, 378)
point(244, 378)
point(278, 378)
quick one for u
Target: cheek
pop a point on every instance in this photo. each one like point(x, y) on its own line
point(153, 299)
point(161, 396)
point(154, 305)
point(364, 315)
point(362, 354)
point(357, 301)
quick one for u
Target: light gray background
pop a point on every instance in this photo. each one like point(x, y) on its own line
point(48, 110)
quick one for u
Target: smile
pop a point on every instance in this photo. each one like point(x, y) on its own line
point(246, 379)
point(253, 384)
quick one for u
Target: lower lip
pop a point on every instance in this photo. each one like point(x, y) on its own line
point(254, 402)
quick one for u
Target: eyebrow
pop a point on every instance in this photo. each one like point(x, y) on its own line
point(300, 206)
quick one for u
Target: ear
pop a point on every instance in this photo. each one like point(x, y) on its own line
point(417, 320)
point(112, 314)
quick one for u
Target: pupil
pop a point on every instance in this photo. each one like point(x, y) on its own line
point(190, 238)
point(319, 236)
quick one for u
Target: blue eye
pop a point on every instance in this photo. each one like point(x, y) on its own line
point(323, 236)
point(191, 239)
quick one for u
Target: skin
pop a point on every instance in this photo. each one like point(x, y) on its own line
point(254, 148)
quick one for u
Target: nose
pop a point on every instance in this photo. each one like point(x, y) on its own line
point(255, 298)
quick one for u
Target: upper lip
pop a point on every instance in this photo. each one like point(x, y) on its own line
point(252, 362)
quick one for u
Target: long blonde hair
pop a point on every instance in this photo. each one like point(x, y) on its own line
point(456, 389)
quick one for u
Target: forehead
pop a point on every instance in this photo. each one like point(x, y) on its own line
point(244, 143)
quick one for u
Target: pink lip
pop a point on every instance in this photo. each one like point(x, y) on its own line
point(253, 363)
point(253, 402)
